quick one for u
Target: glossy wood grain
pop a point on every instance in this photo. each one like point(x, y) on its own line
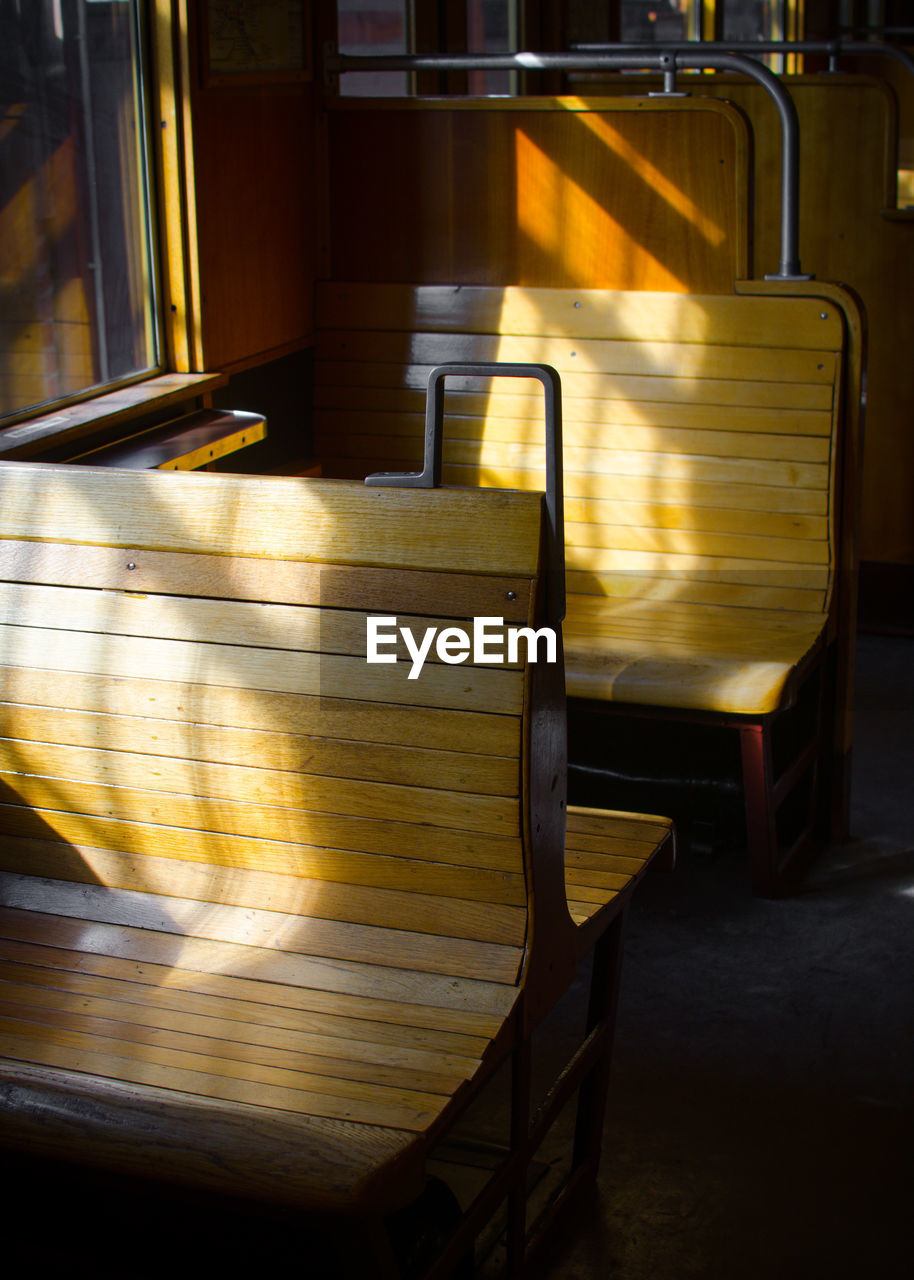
point(556, 192)
point(247, 877)
point(700, 457)
point(848, 160)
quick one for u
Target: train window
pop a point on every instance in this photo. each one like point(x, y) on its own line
point(492, 27)
point(77, 280)
point(375, 27)
point(763, 20)
point(647, 21)
point(752, 19)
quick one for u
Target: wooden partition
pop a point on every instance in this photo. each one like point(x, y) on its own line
point(850, 230)
point(253, 162)
point(617, 193)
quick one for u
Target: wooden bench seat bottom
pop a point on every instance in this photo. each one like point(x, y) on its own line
point(265, 907)
point(119, 1039)
point(668, 653)
point(604, 851)
point(146, 1030)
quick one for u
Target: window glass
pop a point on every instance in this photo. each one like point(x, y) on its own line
point(753, 20)
point(77, 297)
point(492, 28)
point(373, 27)
point(649, 21)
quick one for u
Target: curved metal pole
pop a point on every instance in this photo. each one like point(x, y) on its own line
point(667, 59)
point(832, 49)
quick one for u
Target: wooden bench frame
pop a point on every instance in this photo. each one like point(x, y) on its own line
point(372, 325)
point(115, 540)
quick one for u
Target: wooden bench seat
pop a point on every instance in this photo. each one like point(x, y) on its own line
point(271, 915)
point(709, 516)
point(603, 850)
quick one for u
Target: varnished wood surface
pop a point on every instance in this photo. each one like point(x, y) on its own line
point(255, 890)
point(71, 422)
point(700, 448)
point(206, 817)
point(848, 160)
point(253, 160)
point(619, 194)
point(281, 518)
point(196, 440)
point(605, 851)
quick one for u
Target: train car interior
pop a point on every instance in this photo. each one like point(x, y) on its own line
point(457, 624)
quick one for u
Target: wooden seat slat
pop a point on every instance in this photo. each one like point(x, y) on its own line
point(98, 1055)
point(255, 785)
point(694, 432)
point(662, 489)
point(298, 753)
point(329, 846)
point(45, 967)
point(672, 567)
point(285, 628)
point(295, 933)
point(213, 1017)
point(486, 815)
point(715, 590)
point(272, 518)
point(777, 645)
point(423, 872)
point(397, 986)
point(603, 850)
point(208, 707)
point(582, 535)
point(194, 1140)
point(695, 519)
point(115, 1020)
point(63, 944)
point(586, 397)
point(485, 689)
point(641, 316)
point(447, 916)
point(246, 578)
point(493, 455)
point(387, 363)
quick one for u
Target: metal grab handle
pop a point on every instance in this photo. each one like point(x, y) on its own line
point(430, 475)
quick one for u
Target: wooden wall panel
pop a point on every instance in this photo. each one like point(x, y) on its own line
point(618, 194)
point(253, 169)
point(847, 163)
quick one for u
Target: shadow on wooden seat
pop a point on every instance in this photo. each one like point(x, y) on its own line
point(711, 466)
point(273, 915)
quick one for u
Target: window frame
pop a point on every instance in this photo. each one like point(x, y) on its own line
point(180, 375)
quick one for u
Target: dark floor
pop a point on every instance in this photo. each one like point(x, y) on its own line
point(760, 1120)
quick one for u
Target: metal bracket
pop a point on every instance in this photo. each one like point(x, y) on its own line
point(430, 475)
point(669, 90)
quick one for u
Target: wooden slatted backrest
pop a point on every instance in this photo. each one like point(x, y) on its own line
point(700, 431)
point(187, 708)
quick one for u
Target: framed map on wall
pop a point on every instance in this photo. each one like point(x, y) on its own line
point(255, 41)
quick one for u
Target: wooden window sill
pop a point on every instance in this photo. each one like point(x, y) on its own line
point(59, 426)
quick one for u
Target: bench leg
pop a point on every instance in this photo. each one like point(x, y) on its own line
point(772, 858)
point(601, 1014)
point(761, 811)
point(516, 1237)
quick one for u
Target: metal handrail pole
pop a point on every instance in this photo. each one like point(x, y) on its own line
point(665, 59)
point(831, 48)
